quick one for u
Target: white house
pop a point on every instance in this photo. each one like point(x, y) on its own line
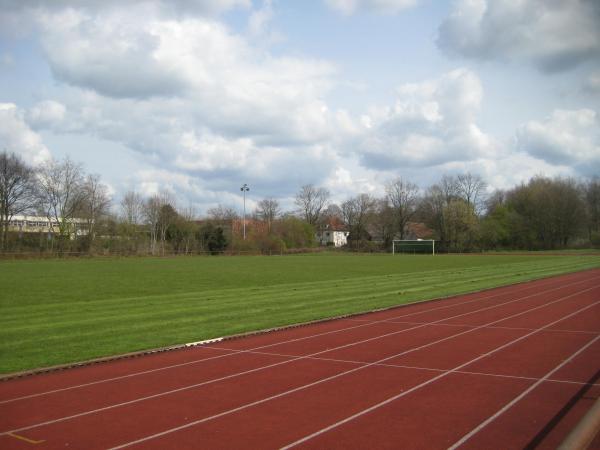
point(332, 236)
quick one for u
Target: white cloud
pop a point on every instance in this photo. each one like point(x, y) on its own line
point(567, 137)
point(432, 122)
point(349, 7)
point(46, 114)
point(167, 7)
point(260, 18)
point(592, 83)
point(553, 34)
point(17, 137)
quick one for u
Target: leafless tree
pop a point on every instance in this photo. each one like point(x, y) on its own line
point(357, 212)
point(311, 201)
point(132, 208)
point(332, 212)
point(222, 214)
point(187, 227)
point(433, 207)
point(17, 190)
point(167, 215)
point(471, 188)
point(151, 213)
point(95, 204)
point(403, 199)
point(61, 192)
point(448, 188)
point(384, 221)
point(268, 210)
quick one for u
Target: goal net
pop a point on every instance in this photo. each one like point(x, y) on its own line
point(418, 246)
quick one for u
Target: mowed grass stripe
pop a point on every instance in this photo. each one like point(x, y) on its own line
point(289, 289)
point(35, 335)
point(259, 304)
point(47, 316)
point(259, 301)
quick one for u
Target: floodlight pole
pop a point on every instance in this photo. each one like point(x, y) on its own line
point(244, 189)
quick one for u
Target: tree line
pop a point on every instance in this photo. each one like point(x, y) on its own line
point(459, 212)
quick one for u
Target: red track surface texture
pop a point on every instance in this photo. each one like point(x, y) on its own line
point(513, 367)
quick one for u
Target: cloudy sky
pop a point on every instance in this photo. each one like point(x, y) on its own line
point(198, 97)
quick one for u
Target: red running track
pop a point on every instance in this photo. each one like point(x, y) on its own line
point(513, 367)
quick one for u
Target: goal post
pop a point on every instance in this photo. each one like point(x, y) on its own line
point(413, 246)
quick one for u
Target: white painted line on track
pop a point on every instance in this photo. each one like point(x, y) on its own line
point(306, 386)
point(551, 281)
point(430, 369)
point(428, 382)
point(184, 388)
point(513, 402)
point(465, 325)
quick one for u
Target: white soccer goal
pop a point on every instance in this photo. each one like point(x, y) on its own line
point(413, 246)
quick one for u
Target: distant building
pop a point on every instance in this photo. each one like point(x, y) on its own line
point(40, 224)
point(333, 233)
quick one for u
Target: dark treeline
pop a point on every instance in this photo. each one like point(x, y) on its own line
point(71, 211)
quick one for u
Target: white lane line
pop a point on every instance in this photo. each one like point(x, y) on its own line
point(510, 404)
point(323, 380)
point(202, 360)
point(465, 325)
point(184, 388)
point(428, 382)
point(430, 369)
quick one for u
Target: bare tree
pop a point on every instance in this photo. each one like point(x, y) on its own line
point(357, 212)
point(332, 213)
point(132, 208)
point(167, 215)
point(17, 190)
point(433, 208)
point(268, 210)
point(221, 213)
point(60, 192)
point(311, 201)
point(384, 221)
point(471, 188)
point(403, 199)
point(187, 227)
point(95, 204)
point(151, 212)
point(448, 187)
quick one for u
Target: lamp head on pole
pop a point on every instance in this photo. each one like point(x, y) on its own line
point(244, 188)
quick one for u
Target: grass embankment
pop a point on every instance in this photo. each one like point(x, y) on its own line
point(60, 311)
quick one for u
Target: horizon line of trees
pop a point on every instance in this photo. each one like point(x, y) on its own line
point(543, 213)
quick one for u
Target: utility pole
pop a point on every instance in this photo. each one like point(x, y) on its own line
point(244, 189)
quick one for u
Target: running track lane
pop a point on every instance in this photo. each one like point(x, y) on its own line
point(497, 367)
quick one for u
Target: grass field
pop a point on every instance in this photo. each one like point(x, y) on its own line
point(59, 311)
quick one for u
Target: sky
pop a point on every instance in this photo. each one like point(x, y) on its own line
point(197, 97)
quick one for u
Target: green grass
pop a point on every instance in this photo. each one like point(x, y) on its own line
point(60, 311)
